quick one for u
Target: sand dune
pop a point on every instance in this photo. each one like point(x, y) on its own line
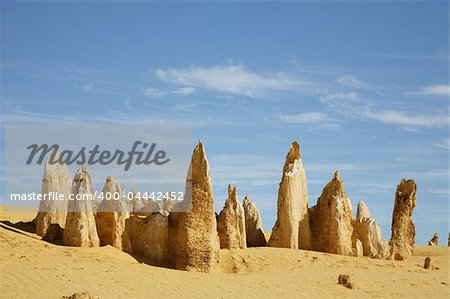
point(32, 268)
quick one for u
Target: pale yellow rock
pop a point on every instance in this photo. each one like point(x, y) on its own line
point(253, 224)
point(56, 181)
point(331, 220)
point(291, 229)
point(403, 230)
point(136, 200)
point(80, 230)
point(111, 214)
point(358, 248)
point(434, 241)
point(193, 238)
point(362, 211)
point(148, 237)
point(368, 232)
point(429, 264)
point(231, 223)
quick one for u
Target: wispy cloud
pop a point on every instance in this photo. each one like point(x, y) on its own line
point(305, 118)
point(350, 105)
point(232, 79)
point(351, 96)
point(154, 92)
point(439, 56)
point(433, 90)
point(404, 119)
point(444, 144)
point(352, 81)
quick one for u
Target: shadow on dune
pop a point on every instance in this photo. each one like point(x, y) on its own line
point(143, 259)
point(29, 226)
point(19, 227)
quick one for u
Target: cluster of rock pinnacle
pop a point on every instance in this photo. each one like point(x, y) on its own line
point(191, 240)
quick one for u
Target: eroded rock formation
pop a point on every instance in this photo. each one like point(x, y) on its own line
point(253, 224)
point(291, 229)
point(403, 229)
point(358, 248)
point(331, 220)
point(231, 222)
point(111, 214)
point(56, 180)
point(434, 241)
point(362, 211)
point(80, 229)
point(193, 238)
point(148, 236)
point(135, 200)
point(368, 232)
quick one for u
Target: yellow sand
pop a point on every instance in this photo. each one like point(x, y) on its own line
point(31, 268)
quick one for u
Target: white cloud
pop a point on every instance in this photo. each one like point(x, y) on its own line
point(234, 79)
point(154, 92)
point(184, 90)
point(351, 81)
point(351, 96)
point(305, 118)
point(410, 121)
point(433, 90)
point(186, 107)
point(401, 118)
point(444, 144)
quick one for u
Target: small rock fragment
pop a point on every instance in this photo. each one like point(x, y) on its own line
point(344, 279)
point(434, 240)
point(81, 295)
point(429, 264)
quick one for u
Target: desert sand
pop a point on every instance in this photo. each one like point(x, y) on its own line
point(32, 268)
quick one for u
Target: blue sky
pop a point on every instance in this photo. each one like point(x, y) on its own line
point(362, 86)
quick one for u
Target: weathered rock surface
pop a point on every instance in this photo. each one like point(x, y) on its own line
point(81, 295)
point(434, 240)
point(80, 230)
point(253, 224)
point(56, 179)
point(403, 230)
point(135, 201)
point(429, 264)
point(368, 232)
point(344, 279)
point(148, 237)
point(54, 233)
point(358, 248)
point(193, 238)
point(362, 211)
point(331, 220)
point(231, 222)
point(291, 229)
point(111, 214)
